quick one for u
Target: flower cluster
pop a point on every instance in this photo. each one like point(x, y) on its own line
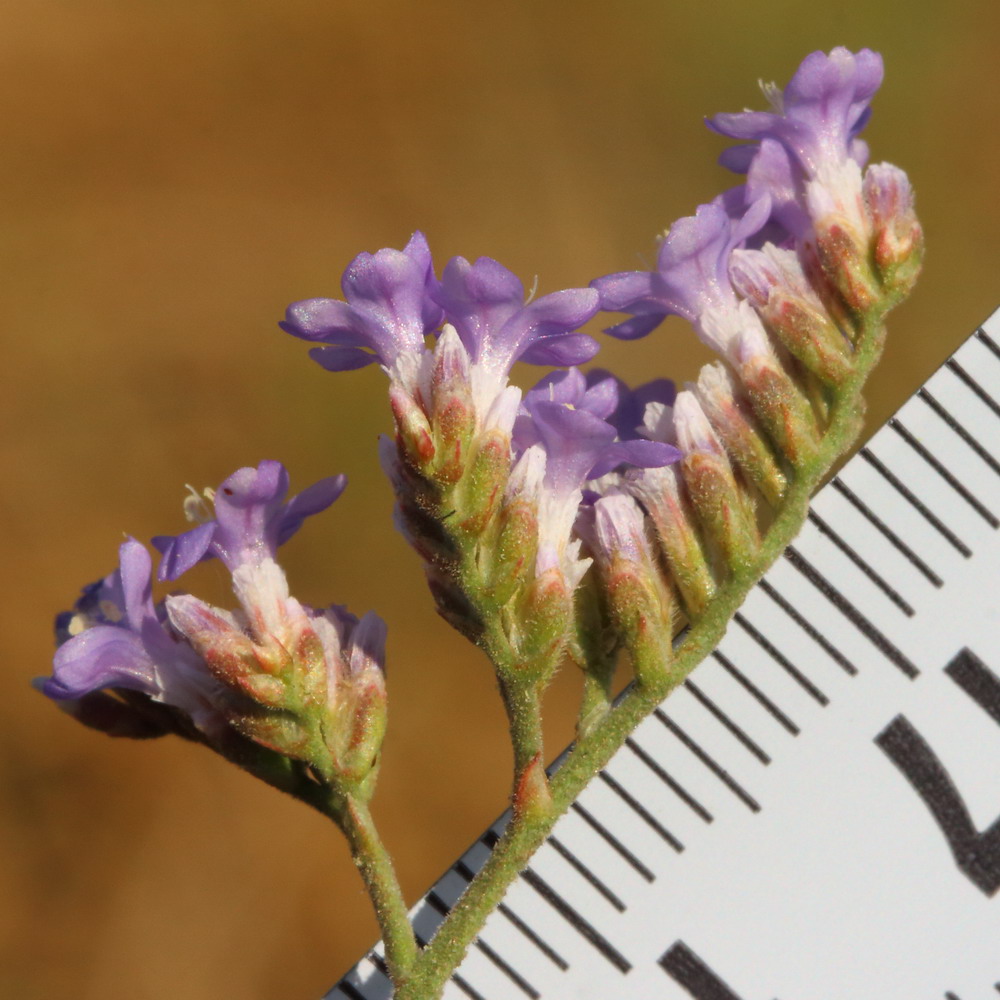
point(510, 499)
point(274, 674)
point(488, 483)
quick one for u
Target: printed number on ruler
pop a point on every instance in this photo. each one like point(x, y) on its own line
point(815, 814)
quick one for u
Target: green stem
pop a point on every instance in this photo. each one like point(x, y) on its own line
point(523, 702)
point(373, 862)
point(527, 830)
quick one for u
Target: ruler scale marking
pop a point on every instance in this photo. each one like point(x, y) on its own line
point(850, 612)
point(962, 374)
point(989, 342)
point(782, 661)
point(577, 922)
point(966, 464)
point(889, 591)
point(987, 515)
point(759, 695)
point(641, 811)
point(679, 790)
point(741, 793)
point(835, 654)
point(587, 874)
point(903, 491)
point(522, 984)
point(613, 842)
point(961, 431)
point(887, 532)
point(739, 733)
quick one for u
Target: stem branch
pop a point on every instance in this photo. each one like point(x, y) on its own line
point(373, 862)
point(527, 829)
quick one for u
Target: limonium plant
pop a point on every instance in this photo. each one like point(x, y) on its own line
point(580, 522)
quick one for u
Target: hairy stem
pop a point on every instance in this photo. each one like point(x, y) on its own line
point(373, 862)
point(523, 701)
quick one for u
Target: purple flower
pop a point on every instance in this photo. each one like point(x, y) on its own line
point(394, 301)
point(629, 414)
point(570, 415)
point(818, 115)
point(485, 303)
point(564, 439)
point(691, 278)
point(805, 152)
point(116, 638)
point(251, 520)
point(306, 684)
point(388, 310)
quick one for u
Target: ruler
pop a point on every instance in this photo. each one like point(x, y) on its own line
point(815, 813)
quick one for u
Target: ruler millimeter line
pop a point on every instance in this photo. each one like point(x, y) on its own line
point(816, 811)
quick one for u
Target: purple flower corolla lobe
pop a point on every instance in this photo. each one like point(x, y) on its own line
point(629, 412)
point(117, 639)
point(691, 278)
point(388, 310)
point(251, 520)
point(485, 303)
point(818, 115)
point(805, 153)
point(394, 301)
point(570, 415)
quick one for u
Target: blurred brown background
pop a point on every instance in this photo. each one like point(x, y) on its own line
point(172, 176)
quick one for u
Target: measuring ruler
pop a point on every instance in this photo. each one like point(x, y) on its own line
point(815, 813)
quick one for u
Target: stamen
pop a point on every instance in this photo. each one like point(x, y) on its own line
point(198, 506)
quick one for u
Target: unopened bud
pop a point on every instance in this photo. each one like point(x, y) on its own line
point(545, 617)
point(662, 493)
point(276, 730)
point(231, 655)
point(513, 558)
point(355, 722)
point(898, 239)
point(778, 402)
point(774, 282)
point(478, 495)
point(416, 443)
point(721, 505)
point(843, 255)
point(453, 412)
point(452, 604)
point(638, 596)
point(733, 420)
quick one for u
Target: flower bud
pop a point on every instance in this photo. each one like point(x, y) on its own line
point(453, 605)
point(774, 282)
point(664, 497)
point(453, 412)
point(742, 436)
point(479, 493)
point(898, 239)
point(544, 617)
point(280, 731)
point(842, 235)
point(513, 557)
point(844, 259)
point(416, 442)
point(355, 720)
point(638, 596)
point(721, 505)
point(779, 404)
point(229, 653)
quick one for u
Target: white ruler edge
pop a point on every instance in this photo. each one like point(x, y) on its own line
point(789, 825)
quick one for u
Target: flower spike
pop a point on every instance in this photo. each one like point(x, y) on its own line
point(302, 684)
